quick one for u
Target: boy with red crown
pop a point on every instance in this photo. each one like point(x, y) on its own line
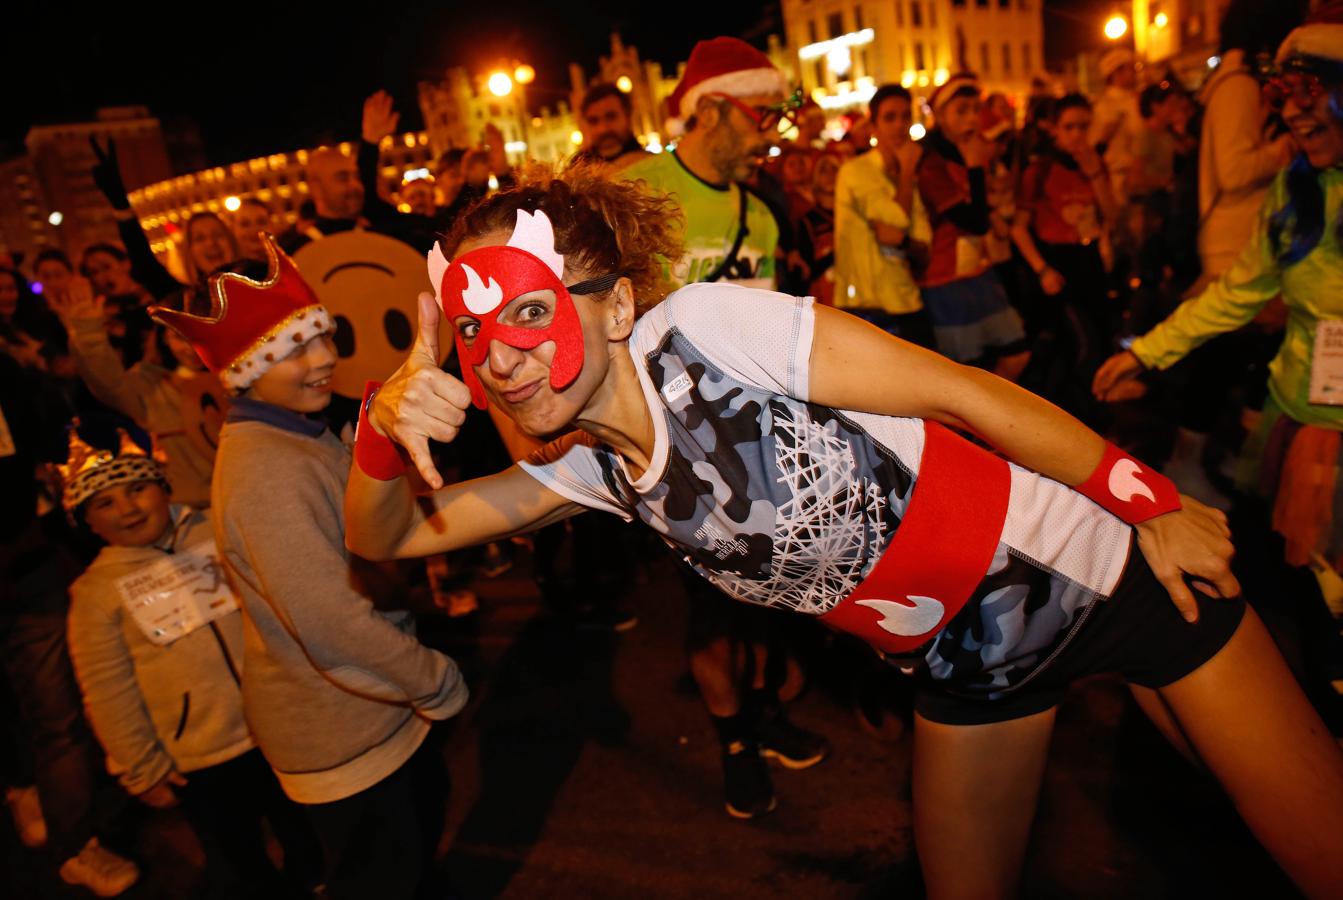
point(339, 694)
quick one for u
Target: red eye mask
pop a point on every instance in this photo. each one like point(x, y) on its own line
point(483, 282)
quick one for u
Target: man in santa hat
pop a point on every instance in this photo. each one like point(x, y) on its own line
point(730, 103)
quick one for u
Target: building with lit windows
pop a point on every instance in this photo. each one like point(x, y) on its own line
point(846, 48)
point(49, 199)
point(457, 109)
point(278, 180)
point(1180, 35)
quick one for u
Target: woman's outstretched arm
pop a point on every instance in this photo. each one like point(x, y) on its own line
point(857, 366)
point(395, 518)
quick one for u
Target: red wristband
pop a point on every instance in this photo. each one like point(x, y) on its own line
point(377, 456)
point(1129, 489)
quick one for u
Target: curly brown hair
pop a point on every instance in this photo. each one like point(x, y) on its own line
point(601, 225)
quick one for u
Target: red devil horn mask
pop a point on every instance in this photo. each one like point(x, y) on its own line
point(481, 284)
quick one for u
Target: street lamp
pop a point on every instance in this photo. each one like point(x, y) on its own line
point(500, 84)
point(1116, 27)
point(524, 74)
point(232, 204)
point(56, 217)
point(624, 84)
point(1161, 20)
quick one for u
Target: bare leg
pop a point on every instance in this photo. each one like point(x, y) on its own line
point(1150, 702)
point(975, 789)
point(717, 669)
point(1255, 730)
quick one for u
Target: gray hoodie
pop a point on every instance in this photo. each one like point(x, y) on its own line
point(155, 708)
point(338, 693)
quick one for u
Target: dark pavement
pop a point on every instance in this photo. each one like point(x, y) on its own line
point(584, 767)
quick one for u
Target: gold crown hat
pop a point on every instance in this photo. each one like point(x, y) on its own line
point(255, 323)
point(89, 470)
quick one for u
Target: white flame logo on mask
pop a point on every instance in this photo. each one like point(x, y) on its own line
point(479, 297)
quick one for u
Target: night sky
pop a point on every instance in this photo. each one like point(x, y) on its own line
point(271, 77)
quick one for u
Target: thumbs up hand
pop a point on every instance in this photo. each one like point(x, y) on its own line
point(420, 401)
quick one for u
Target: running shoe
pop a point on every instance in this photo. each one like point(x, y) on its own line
point(789, 745)
point(100, 870)
point(746, 782)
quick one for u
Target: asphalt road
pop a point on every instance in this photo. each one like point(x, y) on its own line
point(584, 767)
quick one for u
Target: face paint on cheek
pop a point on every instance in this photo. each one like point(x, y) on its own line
point(481, 283)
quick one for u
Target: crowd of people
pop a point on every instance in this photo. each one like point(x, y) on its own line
point(838, 370)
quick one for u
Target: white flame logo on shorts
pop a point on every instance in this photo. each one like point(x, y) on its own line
point(905, 620)
point(1125, 484)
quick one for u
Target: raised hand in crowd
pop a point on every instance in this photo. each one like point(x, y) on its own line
point(420, 401)
point(107, 174)
point(380, 118)
point(78, 302)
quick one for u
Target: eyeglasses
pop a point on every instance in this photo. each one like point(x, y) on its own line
point(767, 118)
point(1301, 87)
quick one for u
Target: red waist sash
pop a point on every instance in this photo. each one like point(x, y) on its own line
point(940, 552)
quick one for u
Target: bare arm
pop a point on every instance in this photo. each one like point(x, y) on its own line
point(849, 357)
point(386, 519)
point(1051, 282)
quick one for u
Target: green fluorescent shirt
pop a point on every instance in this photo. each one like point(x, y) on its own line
point(712, 215)
point(1312, 290)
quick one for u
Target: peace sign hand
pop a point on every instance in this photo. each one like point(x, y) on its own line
point(421, 402)
point(107, 174)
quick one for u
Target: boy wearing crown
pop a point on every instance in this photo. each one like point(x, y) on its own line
point(156, 641)
point(339, 694)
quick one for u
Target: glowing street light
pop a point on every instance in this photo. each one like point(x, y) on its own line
point(576, 138)
point(1116, 27)
point(917, 131)
point(56, 217)
point(624, 85)
point(1161, 20)
point(232, 204)
point(524, 74)
point(500, 84)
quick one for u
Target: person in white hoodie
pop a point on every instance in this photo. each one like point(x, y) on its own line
point(155, 635)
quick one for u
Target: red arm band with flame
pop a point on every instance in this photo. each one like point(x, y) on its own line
point(1127, 488)
point(377, 456)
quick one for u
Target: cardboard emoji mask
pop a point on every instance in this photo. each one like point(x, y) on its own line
point(482, 283)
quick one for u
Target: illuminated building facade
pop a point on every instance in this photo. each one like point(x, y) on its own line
point(278, 180)
point(846, 48)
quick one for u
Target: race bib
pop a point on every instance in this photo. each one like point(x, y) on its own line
point(178, 594)
point(1326, 364)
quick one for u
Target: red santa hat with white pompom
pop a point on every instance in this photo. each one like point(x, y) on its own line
point(722, 65)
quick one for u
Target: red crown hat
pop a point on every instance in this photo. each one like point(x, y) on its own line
point(725, 65)
point(256, 323)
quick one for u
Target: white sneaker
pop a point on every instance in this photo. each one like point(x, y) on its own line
point(26, 809)
point(100, 870)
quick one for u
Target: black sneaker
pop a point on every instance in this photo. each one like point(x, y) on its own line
point(792, 747)
point(746, 781)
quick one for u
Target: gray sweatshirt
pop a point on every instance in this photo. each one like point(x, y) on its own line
point(338, 694)
point(155, 708)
